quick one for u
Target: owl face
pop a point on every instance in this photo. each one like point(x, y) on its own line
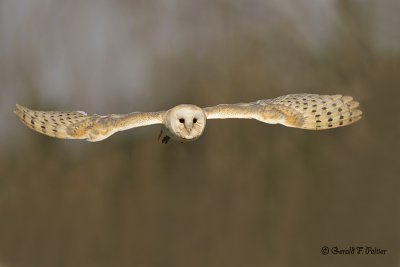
point(186, 122)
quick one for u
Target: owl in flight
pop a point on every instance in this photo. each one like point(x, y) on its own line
point(186, 123)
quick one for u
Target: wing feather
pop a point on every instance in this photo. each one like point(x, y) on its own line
point(305, 111)
point(79, 125)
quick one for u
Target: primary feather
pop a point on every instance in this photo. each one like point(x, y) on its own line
point(60, 124)
point(315, 112)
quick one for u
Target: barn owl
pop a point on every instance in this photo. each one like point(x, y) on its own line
point(186, 123)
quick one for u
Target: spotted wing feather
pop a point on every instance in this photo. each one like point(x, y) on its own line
point(315, 112)
point(59, 124)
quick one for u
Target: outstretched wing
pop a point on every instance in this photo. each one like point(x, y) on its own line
point(79, 125)
point(305, 111)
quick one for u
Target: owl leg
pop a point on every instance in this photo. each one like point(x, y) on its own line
point(163, 137)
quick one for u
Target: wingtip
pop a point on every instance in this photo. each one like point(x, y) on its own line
point(20, 110)
point(17, 110)
point(19, 107)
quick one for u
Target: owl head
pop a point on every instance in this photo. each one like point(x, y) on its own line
point(185, 122)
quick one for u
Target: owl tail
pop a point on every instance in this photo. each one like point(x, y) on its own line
point(329, 112)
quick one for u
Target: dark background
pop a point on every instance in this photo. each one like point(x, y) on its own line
point(244, 194)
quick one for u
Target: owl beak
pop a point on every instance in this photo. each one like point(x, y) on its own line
point(188, 128)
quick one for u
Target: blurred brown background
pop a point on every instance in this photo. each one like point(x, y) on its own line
point(244, 194)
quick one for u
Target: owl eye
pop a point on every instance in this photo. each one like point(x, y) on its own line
point(182, 120)
point(194, 120)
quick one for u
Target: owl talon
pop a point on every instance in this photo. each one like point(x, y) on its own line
point(165, 139)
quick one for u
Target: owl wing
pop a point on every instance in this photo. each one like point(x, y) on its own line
point(79, 125)
point(305, 111)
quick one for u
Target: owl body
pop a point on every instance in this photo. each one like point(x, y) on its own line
point(185, 123)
